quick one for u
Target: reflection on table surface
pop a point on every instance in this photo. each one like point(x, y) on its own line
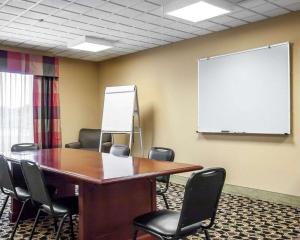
point(98, 167)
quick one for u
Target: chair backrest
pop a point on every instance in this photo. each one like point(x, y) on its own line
point(20, 147)
point(201, 198)
point(89, 138)
point(164, 154)
point(6, 179)
point(35, 182)
point(120, 150)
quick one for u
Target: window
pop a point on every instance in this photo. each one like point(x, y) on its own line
point(16, 109)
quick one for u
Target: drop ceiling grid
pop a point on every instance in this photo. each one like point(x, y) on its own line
point(133, 24)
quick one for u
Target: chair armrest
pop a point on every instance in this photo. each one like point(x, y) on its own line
point(73, 145)
point(107, 144)
point(106, 147)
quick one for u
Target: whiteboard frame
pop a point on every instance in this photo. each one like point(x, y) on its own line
point(240, 52)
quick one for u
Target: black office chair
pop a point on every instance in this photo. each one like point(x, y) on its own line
point(8, 188)
point(120, 150)
point(64, 207)
point(201, 198)
point(16, 168)
point(20, 147)
point(164, 154)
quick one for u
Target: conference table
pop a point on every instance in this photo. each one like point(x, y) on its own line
point(112, 190)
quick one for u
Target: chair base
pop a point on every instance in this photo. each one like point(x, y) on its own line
point(18, 219)
point(165, 199)
point(57, 230)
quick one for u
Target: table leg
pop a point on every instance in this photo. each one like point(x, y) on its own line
point(106, 211)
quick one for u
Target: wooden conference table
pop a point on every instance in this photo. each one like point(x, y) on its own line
point(112, 190)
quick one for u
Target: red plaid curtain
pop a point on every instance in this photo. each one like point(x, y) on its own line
point(46, 112)
point(46, 117)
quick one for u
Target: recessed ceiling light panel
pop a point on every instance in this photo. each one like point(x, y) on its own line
point(196, 11)
point(90, 44)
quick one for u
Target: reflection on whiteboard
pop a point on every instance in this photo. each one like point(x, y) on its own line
point(115, 167)
point(245, 92)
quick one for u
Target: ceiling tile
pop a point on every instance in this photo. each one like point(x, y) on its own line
point(128, 12)
point(3, 22)
point(158, 11)
point(111, 7)
point(26, 20)
point(91, 3)
point(67, 14)
point(242, 14)
point(251, 3)
point(6, 16)
point(145, 6)
point(86, 19)
point(276, 12)
point(20, 4)
point(201, 32)
point(78, 8)
point(54, 19)
point(284, 2)
point(236, 23)
point(179, 34)
point(116, 18)
point(134, 24)
point(148, 18)
point(158, 2)
point(218, 27)
point(12, 10)
point(97, 13)
point(34, 15)
point(44, 9)
point(294, 6)
point(127, 3)
point(255, 18)
point(12, 42)
point(222, 19)
point(236, 1)
point(267, 7)
point(55, 3)
point(206, 24)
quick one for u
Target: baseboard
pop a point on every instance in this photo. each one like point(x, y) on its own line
point(251, 193)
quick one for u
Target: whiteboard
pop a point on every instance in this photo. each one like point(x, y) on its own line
point(118, 109)
point(245, 92)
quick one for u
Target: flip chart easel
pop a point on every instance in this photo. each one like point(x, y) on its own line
point(121, 114)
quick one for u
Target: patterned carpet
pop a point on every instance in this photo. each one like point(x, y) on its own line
point(237, 218)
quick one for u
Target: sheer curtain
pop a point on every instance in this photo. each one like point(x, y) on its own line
point(16, 109)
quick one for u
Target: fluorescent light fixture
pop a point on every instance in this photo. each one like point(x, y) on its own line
point(90, 44)
point(196, 11)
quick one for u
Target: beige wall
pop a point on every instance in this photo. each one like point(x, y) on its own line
point(79, 94)
point(167, 83)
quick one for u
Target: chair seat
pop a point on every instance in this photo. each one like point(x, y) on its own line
point(63, 205)
point(163, 222)
point(22, 193)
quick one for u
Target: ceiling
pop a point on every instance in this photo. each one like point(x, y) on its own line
point(135, 25)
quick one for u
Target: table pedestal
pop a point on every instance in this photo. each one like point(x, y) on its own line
point(107, 211)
